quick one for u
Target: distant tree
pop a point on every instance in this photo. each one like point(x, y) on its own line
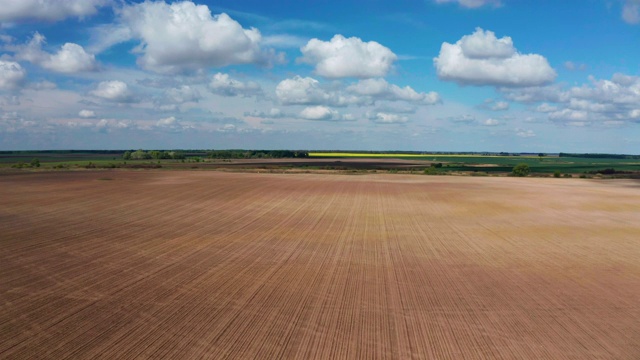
point(521, 170)
point(127, 155)
point(177, 155)
point(556, 173)
point(35, 163)
point(140, 155)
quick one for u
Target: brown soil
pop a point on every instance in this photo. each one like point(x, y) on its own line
point(180, 264)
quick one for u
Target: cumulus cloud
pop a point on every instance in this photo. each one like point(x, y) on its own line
point(396, 108)
point(223, 84)
point(493, 105)
point(482, 59)
point(525, 133)
point(48, 10)
point(115, 90)
point(12, 75)
point(545, 108)
point(273, 113)
point(471, 4)
point(305, 91)
point(600, 101)
point(534, 94)
point(167, 122)
point(108, 124)
point(500, 106)
point(491, 122)
point(71, 58)
point(387, 118)
point(320, 113)
point(631, 11)
point(569, 115)
point(348, 57)
point(184, 36)
point(621, 89)
point(380, 89)
point(86, 114)
point(227, 128)
point(183, 94)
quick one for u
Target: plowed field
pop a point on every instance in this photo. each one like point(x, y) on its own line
point(180, 264)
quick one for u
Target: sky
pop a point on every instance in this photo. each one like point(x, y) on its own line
point(417, 75)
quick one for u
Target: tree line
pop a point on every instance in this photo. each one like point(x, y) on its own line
point(256, 154)
point(600, 156)
point(153, 154)
point(215, 154)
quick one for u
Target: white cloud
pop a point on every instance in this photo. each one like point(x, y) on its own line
point(491, 122)
point(500, 106)
point(12, 75)
point(482, 59)
point(227, 128)
point(7, 39)
point(598, 102)
point(387, 118)
point(631, 11)
point(471, 4)
point(223, 84)
point(167, 122)
point(621, 89)
point(348, 57)
point(586, 105)
point(48, 10)
point(183, 36)
point(106, 35)
point(491, 104)
point(569, 115)
point(107, 124)
point(302, 91)
point(87, 114)
point(115, 90)
point(183, 94)
point(545, 108)
point(320, 113)
point(533, 94)
point(274, 113)
point(525, 133)
point(71, 58)
point(380, 89)
point(485, 45)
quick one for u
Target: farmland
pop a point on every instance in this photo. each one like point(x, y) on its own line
point(486, 164)
point(186, 264)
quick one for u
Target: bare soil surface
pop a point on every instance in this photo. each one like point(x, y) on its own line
point(189, 264)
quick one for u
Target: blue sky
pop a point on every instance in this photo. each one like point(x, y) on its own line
point(444, 75)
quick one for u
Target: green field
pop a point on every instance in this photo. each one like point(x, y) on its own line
point(502, 163)
point(474, 164)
